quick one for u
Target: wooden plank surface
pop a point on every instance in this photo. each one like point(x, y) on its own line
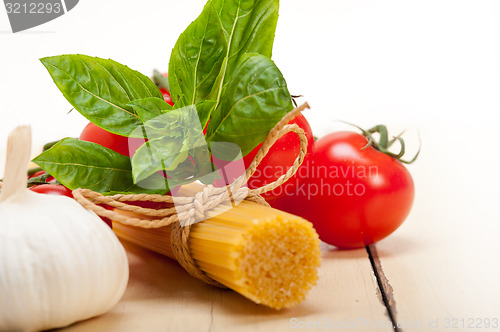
point(162, 297)
point(439, 271)
point(443, 264)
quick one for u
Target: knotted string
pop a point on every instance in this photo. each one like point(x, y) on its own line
point(192, 209)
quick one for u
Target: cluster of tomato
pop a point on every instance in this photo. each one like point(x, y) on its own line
point(353, 193)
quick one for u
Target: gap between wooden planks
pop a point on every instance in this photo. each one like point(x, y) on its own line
point(440, 270)
point(385, 288)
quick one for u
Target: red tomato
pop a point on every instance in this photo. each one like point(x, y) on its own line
point(36, 174)
point(161, 81)
point(278, 160)
point(52, 189)
point(50, 179)
point(59, 189)
point(150, 205)
point(354, 196)
point(166, 96)
point(120, 144)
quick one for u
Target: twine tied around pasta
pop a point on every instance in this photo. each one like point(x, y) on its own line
point(194, 208)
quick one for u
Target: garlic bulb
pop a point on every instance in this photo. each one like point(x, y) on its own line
point(59, 263)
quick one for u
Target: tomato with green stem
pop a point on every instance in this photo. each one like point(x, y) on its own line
point(356, 192)
point(37, 177)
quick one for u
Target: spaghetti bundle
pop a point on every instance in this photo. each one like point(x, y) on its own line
point(267, 255)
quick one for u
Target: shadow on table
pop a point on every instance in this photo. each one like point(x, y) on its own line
point(160, 285)
point(397, 246)
point(385, 248)
point(166, 278)
point(163, 277)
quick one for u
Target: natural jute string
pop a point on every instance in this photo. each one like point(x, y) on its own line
point(194, 209)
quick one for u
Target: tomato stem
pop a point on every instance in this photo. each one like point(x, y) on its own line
point(384, 144)
point(49, 145)
point(293, 99)
point(33, 170)
point(41, 179)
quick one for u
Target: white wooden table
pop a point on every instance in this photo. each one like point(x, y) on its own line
point(438, 272)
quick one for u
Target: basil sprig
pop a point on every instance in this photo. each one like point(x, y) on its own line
point(220, 73)
point(224, 57)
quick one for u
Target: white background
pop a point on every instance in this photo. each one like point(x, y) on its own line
point(402, 63)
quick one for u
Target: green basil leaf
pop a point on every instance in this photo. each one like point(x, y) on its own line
point(181, 102)
point(173, 137)
point(100, 89)
point(249, 27)
point(205, 109)
point(163, 153)
point(196, 58)
point(255, 99)
point(207, 52)
point(170, 124)
point(149, 108)
point(81, 164)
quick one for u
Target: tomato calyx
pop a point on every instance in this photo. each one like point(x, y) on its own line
point(384, 143)
point(37, 176)
point(44, 178)
point(295, 97)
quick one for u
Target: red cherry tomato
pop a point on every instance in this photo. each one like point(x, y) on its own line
point(161, 80)
point(59, 189)
point(150, 205)
point(50, 179)
point(52, 189)
point(120, 144)
point(353, 195)
point(36, 174)
point(107, 220)
point(166, 96)
point(278, 160)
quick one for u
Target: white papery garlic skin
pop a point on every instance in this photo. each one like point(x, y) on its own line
point(59, 263)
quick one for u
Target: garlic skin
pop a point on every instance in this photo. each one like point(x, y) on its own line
point(59, 263)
